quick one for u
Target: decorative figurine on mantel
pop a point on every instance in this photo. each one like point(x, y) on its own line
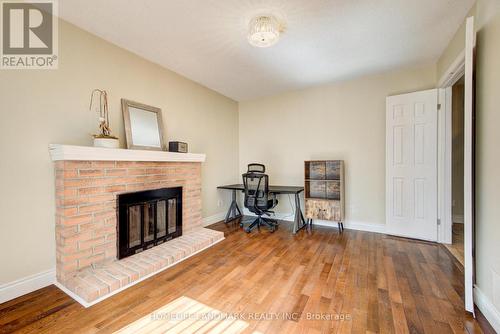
point(103, 139)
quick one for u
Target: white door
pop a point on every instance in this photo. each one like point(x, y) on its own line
point(470, 38)
point(411, 165)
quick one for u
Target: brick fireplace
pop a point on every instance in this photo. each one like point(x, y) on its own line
point(86, 213)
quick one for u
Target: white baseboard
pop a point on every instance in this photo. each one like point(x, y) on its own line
point(458, 219)
point(26, 285)
point(213, 219)
point(280, 216)
point(376, 228)
point(487, 308)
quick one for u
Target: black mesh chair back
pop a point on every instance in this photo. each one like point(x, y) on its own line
point(256, 168)
point(256, 192)
point(259, 200)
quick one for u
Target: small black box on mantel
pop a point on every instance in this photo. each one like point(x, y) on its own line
point(177, 146)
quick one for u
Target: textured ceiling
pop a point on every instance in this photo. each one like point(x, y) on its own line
point(324, 41)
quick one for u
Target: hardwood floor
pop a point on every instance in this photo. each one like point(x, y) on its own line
point(457, 246)
point(356, 282)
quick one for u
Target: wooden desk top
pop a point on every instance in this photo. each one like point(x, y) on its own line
point(272, 189)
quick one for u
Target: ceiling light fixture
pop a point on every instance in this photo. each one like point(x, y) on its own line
point(263, 31)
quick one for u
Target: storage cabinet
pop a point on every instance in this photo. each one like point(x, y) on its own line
point(324, 190)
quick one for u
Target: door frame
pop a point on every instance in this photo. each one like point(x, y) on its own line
point(463, 63)
point(450, 77)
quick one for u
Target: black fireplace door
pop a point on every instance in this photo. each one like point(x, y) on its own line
point(148, 218)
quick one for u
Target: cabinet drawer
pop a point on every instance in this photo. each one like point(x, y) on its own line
point(323, 210)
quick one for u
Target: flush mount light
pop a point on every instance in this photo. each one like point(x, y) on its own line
point(263, 31)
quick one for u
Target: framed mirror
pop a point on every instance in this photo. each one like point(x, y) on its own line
point(143, 126)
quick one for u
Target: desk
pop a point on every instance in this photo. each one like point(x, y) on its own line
point(235, 212)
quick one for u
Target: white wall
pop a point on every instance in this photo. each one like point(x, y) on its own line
point(344, 121)
point(39, 107)
point(454, 47)
point(487, 242)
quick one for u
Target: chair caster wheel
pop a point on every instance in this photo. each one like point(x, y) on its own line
point(247, 230)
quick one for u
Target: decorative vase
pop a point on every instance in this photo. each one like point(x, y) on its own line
point(106, 142)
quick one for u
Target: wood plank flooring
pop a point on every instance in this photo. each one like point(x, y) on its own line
point(457, 246)
point(318, 281)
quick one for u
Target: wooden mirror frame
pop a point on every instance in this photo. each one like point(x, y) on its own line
point(128, 128)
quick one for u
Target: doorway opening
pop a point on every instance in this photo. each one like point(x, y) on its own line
point(457, 170)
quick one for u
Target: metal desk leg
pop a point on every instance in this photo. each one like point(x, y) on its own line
point(234, 211)
point(299, 221)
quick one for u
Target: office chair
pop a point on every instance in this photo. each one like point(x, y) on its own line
point(259, 200)
point(256, 168)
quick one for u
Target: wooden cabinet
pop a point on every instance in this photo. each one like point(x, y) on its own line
point(324, 210)
point(324, 190)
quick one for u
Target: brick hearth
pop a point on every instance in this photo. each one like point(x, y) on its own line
point(92, 283)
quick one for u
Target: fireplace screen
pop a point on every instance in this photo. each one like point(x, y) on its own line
point(148, 218)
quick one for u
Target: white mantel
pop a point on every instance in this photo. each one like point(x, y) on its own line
point(88, 153)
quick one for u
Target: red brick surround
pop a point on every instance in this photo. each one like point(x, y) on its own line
point(86, 205)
